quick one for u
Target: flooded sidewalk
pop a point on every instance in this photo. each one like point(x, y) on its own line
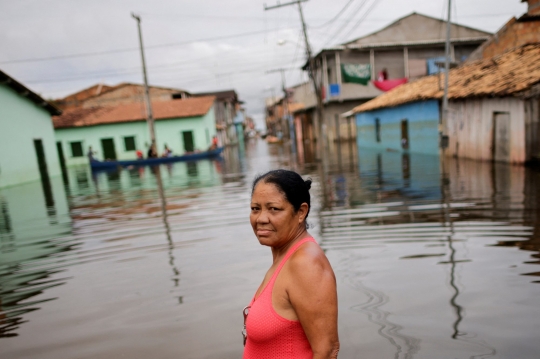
point(432, 260)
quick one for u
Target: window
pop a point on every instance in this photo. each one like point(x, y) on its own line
point(76, 149)
point(129, 143)
point(378, 130)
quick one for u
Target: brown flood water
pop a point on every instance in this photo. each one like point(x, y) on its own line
point(432, 261)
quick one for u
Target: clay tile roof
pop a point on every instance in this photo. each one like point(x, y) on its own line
point(504, 75)
point(102, 115)
point(87, 92)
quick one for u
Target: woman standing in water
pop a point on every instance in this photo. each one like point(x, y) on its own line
point(294, 312)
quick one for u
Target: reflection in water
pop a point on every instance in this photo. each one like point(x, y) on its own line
point(192, 169)
point(161, 192)
point(32, 224)
point(431, 260)
point(406, 346)
point(408, 198)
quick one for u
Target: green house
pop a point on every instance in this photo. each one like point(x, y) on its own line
point(117, 132)
point(27, 142)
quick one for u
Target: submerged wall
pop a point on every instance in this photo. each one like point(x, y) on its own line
point(423, 122)
point(471, 128)
point(167, 132)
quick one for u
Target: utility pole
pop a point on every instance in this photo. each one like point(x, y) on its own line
point(444, 122)
point(285, 97)
point(149, 114)
point(311, 72)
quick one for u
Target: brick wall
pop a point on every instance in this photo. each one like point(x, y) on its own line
point(514, 34)
point(518, 34)
point(128, 94)
point(534, 7)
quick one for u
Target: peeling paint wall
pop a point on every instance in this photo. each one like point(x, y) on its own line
point(471, 126)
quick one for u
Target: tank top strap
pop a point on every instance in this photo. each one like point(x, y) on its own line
point(291, 251)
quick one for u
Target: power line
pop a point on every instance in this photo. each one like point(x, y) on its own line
point(100, 53)
point(356, 11)
point(335, 17)
point(153, 73)
point(368, 11)
point(160, 68)
point(131, 49)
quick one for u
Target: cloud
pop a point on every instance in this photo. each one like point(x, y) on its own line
point(37, 29)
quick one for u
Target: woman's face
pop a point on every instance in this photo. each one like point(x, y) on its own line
point(273, 218)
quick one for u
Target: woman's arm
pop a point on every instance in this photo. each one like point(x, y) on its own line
point(312, 293)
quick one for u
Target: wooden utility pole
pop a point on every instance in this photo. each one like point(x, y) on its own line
point(311, 72)
point(285, 98)
point(149, 114)
point(444, 122)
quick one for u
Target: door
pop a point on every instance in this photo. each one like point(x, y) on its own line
point(62, 160)
point(501, 136)
point(44, 174)
point(107, 147)
point(42, 162)
point(405, 134)
point(189, 145)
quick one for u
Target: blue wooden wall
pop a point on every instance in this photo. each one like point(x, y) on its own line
point(423, 120)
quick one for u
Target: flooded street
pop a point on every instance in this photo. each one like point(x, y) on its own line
point(432, 260)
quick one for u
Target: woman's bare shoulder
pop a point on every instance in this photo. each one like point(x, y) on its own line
point(309, 257)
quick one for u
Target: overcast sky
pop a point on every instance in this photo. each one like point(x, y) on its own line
point(197, 45)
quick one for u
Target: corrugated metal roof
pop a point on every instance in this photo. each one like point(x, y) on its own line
point(504, 75)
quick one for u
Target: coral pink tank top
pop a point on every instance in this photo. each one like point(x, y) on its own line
point(269, 335)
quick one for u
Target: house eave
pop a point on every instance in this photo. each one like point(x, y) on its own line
point(31, 95)
point(463, 41)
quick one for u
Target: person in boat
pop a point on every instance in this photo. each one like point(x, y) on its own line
point(91, 154)
point(214, 144)
point(295, 307)
point(167, 152)
point(152, 152)
point(139, 154)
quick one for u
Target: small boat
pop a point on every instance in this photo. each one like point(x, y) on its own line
point(102, 165)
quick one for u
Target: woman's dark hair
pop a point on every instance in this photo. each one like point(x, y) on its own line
point(293, 187)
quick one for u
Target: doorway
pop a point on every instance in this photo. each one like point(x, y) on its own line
point(107, 146)
point(501, 137)
point(405, 134)
point(189, 145)
point(62, 160)
point(44, 174)
point(42, 162)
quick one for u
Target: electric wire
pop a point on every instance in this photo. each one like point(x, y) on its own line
point(368, 11)
point(188, 65)
point(333, 36)
point(329, 22)
point(149, 47)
